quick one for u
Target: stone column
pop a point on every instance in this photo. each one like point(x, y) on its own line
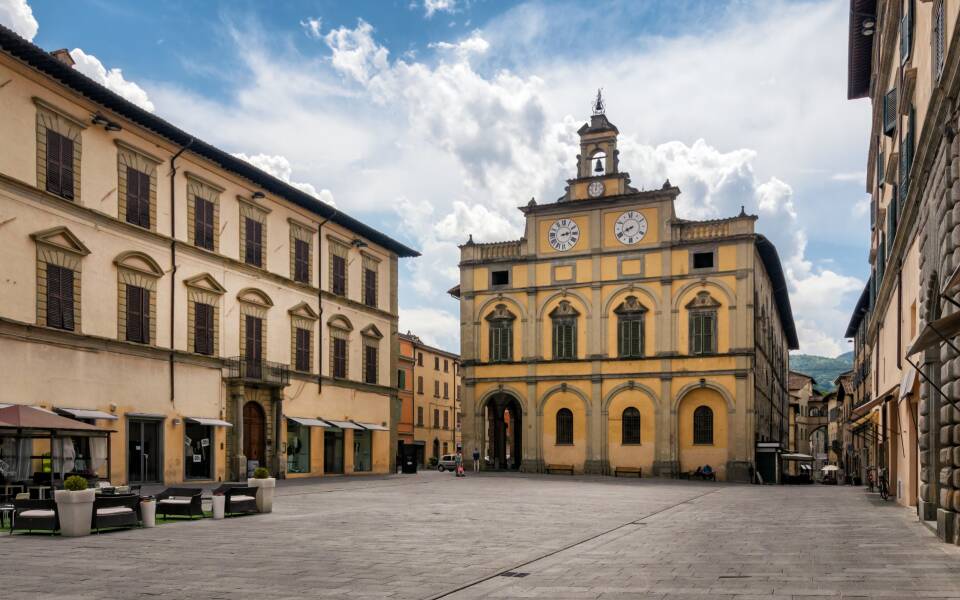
point(666, 462)
point(237, 459)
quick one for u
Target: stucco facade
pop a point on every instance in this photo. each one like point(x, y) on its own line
point(186, 345)
point(436, 399)
point(591, 342)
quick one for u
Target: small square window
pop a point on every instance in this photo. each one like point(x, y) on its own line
point(703, 260)
point(500, 278)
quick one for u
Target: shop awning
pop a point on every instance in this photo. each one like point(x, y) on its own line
point(935, 333)
point(907, 381)
point(344, 424)
point(372, 426)
point(797, 457)
point(209, 422)
point(83, 413)
point(308, 422)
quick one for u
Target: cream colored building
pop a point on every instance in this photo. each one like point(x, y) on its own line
point(436, 399)
point(615, 336)
point(210, 313)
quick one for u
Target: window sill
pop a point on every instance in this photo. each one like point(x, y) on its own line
point(631, 444)
point(703, 445)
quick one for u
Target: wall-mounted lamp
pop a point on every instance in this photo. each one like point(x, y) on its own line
point(113, 408)
point(258, 195)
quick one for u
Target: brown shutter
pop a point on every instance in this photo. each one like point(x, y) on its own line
point(134, 306)
point(339, 275)
point(66, 167)
point(145, 315)
point(53, 162)
point(203, 329)
point(301, 261)
point(54, 306)
point(66, 298)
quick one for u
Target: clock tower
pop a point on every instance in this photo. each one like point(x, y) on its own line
point(598, 164)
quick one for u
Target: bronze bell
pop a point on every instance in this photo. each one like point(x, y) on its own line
point(599, 167)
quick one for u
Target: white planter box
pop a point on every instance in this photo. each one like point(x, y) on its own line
point(76, 511)
point(265, 489)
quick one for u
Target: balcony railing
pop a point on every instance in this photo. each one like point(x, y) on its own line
point(257, 371)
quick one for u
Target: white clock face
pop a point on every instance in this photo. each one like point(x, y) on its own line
point(630, 227)
point(563, 234)
point(595, 189)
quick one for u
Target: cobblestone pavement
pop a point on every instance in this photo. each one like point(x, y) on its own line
point(434, 536)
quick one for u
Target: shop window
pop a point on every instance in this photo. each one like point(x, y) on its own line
point(298, 448)
point(362, 451)
point(199, 446)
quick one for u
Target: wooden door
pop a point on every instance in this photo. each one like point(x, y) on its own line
point(254, 434)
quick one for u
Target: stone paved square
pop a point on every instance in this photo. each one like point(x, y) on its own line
point(435, 536)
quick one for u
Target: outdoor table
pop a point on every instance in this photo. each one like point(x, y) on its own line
point(7, 494)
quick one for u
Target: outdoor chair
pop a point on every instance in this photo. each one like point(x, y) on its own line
point(182, 502)
point(239, 498)
point(39, 515)
point(115, 511)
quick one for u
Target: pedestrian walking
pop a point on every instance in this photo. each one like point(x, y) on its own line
point(476, 460)
point(460, 472)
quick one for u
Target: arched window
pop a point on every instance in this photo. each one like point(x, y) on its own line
point(703, 425)
point(564, 426)
point(564, 318)
point(703, 324)
point(501, 334)
point(630, 326)
point(631, 426)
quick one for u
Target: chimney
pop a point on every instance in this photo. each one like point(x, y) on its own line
point(63, 55)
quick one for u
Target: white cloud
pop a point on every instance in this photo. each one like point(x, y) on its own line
point(355, 53)
point(312, 26)
point(430, 7)
point(436, 327)
point(280, 167)
point(472, 45)
point(112, 79)
point(18, 16)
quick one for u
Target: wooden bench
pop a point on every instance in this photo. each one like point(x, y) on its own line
point(560, 468)
point(628, 471)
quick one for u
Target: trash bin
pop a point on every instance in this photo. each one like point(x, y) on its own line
point(219, 503)
point(148, 511)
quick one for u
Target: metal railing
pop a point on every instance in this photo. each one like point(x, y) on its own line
point(257, 371)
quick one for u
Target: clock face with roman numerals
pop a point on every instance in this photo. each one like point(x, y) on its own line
point(563, 234)
point(630, 227)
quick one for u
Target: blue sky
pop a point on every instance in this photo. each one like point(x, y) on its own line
point(434, 121)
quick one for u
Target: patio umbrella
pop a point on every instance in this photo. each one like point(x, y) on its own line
point(830, 468)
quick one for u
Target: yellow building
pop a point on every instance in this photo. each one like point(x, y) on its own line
point(614, 335)
point(213, 315)
point(436, 399)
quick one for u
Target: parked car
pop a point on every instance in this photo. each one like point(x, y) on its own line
point(447, 462)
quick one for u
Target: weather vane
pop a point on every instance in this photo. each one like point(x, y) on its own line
point(598, 107)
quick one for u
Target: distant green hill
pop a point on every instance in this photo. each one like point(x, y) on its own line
point(824, 370)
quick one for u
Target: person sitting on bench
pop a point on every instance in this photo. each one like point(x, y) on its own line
point(707, 472)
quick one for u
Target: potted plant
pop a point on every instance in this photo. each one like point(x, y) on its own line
point(265, 485)
point(75, 506)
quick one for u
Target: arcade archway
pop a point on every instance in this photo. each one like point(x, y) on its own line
point(503, 422)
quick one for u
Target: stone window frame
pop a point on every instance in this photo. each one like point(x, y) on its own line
point(60, 121)
point(251, 210)
point(130, 156)
point(631, 310)
point(371, 337)
point(703, 305)
point(209, 191)
point(302, 316)
point(137, 269)
point(203, 289)
point(633, 441)
point(60, 247)
point(709, 249)
point(562, 316)
point(339, 327)
point(703, 425)
point(501, 320)
point(256, 303)
point(370, 263)
point(567, 439)
point(303, 232)
point(339, 247)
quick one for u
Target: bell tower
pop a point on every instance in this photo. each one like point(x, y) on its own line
point(598, 164)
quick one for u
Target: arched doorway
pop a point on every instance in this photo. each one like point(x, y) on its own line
point(254, 433)
point(503, 419)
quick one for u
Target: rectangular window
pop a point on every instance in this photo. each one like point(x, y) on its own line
point(301, 261)
point(446, 389)
point(370, 287)
point(446, 420)
point(202, 328)
point(203, 223)
point(59, 165)
point(564, 339)
point(436, 363)
point(500, 277)
point(253, 342)
point(253, 248)
point(138, 198)
point(419, 416)
point(703, 332)
point(370, 364)
point(59, 297)
point(303, 350)
point(436, 418)
point(420, 359)
point(501, 343)
point(631, 337)
point(446, 366)
point(703, 260)
point(890, 112)
point(339, 358)
point(906, 33)
point(401, 379)
point(138, 314)
point(436, 389)
point(338, 275)
point(419, 384)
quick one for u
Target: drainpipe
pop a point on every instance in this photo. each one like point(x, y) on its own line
point(320, 304)
point(173, 259)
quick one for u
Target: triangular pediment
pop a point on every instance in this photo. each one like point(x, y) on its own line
point(205, 282)
point(140, 262)
point(703, 301)
point(62, 238)
point(305, 311)
point(371, 331)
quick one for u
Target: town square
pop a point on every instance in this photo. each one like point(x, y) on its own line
point(480, 299)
